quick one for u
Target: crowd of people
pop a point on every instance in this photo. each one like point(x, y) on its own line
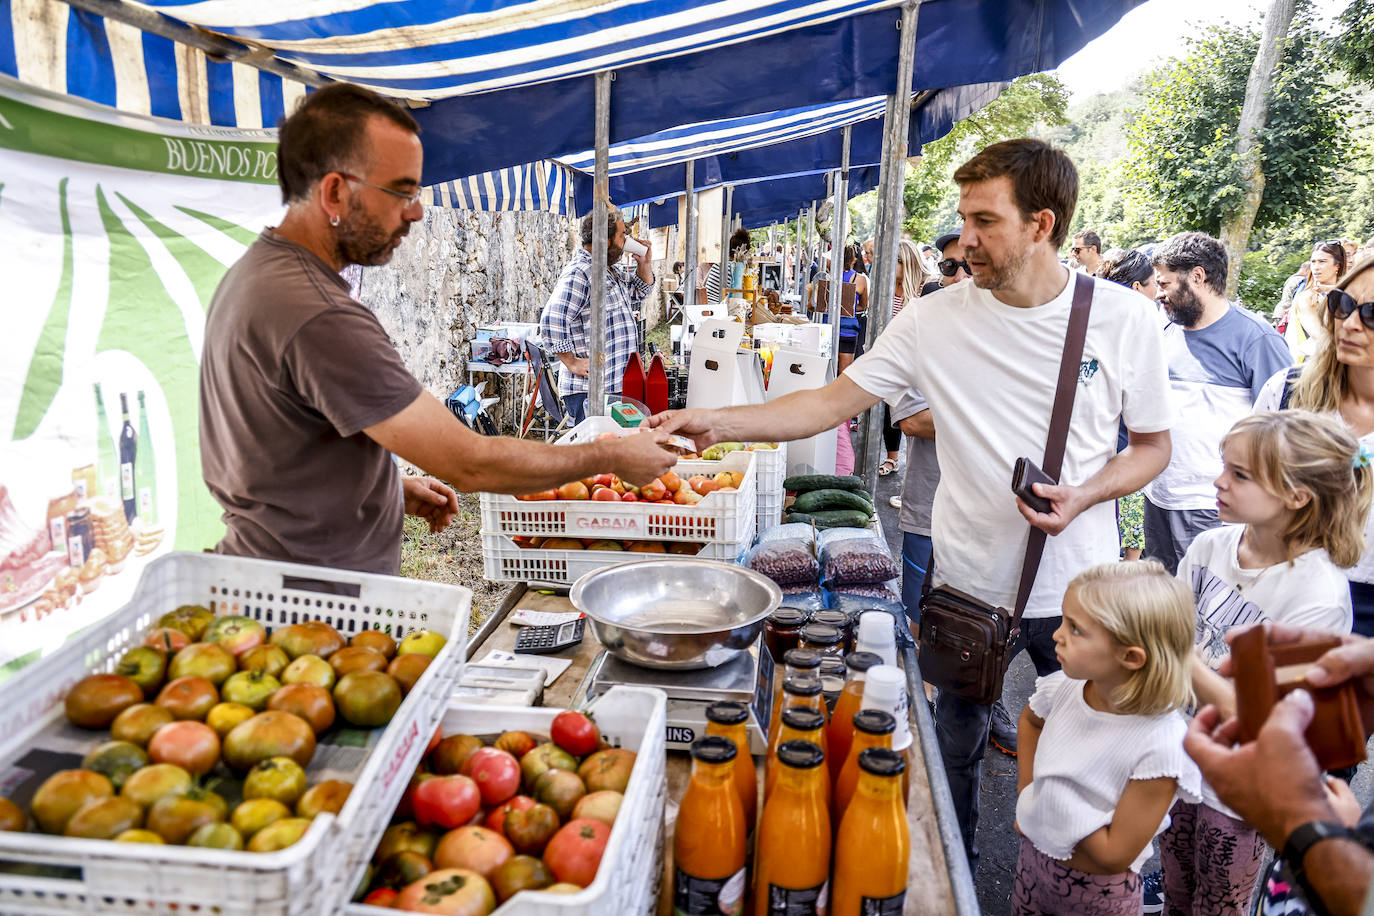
point(1247, 454)
point(1216, 476)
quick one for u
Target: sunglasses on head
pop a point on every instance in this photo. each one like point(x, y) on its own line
point(1341, 305)
point(949, 267)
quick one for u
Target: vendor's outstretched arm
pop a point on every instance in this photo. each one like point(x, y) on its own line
point(431, 438)
point(794, 416)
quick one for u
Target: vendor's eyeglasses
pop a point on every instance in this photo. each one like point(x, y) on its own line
point(949, 267)
point(410, 199)
point(1341, 304)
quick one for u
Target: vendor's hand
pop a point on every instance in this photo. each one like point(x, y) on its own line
point(430, 500)
point(1274, 782)
point(642, 456)
point(1065, 505)
point(577, 365)
point(695, 424)
point(1353, 661)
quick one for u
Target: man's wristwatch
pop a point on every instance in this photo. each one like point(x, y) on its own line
point(1304, 838)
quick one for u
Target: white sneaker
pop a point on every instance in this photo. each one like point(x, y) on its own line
point(895, 502)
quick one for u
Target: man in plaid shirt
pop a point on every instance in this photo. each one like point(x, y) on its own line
point(567, 315)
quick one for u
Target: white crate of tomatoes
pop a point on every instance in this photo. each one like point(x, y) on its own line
point(530, 812)
point(233, 740)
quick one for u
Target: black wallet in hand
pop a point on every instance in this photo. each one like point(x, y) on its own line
point(1025, 474)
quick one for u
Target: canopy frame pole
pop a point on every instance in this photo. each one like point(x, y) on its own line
point(896, 124)
point(797, 249)
point(810, 254)
point(596, 349)
point(838, 231)
point(727, 203)
point(689, 244)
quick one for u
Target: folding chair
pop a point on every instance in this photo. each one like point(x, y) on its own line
point(543, 393)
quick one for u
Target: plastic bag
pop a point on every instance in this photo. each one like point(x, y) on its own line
point(807, 599)
point(889, 590)
point(793, 531)
point(854, 605)
point(857, 561)
point(835, 535)
point(790, 562)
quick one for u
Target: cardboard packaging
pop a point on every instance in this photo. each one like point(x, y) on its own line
point(799, 370)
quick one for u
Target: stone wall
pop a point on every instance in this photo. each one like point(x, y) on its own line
point(459, 269)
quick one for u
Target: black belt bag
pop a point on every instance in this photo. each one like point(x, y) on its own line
point(966, 644)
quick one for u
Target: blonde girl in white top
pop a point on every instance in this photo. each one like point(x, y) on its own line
point(1101, 742)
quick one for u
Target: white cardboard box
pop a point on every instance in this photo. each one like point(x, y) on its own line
point(798, 370)
point(723, 375)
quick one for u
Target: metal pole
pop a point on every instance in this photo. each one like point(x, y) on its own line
point(810, 244)
point(838, 231)
point(889, 230)
point(797, 250)
point(727, 201)
point(596, 346)
point(689, 244)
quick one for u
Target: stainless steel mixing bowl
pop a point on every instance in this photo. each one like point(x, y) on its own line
point(680, 614)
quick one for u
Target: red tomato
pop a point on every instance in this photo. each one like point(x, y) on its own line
point(449, 891)
point(448, 801)
point(629, 497)
point(496, 820)
point(574, 853)
point(497, 774)
point(382, 896)
point(605, 494)
point(435, 739)
point(575, 733)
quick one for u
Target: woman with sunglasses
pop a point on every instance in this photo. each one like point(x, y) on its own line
point(1307, 317)
point(1339, 378)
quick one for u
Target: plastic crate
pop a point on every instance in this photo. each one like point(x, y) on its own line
point(627, 882)
point(505, 561)
point(719, 518)
point(769, 511)
point(306, 878)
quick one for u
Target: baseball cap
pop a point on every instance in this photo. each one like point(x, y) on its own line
point(945, 239)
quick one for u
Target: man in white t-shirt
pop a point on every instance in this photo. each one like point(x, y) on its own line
point(986, 356)
point(1219, 356)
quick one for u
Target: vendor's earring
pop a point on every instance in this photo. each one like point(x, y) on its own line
point(334, 220)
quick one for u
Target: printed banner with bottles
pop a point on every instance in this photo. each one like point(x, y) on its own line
point(117, 229)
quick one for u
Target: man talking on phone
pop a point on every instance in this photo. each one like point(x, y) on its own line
point(986, 356)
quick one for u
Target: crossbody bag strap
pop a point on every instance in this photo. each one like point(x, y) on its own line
point(1064, 392)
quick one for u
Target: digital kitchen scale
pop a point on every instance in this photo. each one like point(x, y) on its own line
point(747, 679)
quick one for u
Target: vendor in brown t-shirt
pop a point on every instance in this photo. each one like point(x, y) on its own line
point(303, 398)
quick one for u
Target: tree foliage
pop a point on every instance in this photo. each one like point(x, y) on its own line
point(1353, 47)
point(1037, 99)
point(1182, 169)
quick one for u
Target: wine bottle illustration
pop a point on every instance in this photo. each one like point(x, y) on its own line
point(128, 451)
point(145, 472)
point(106, 468)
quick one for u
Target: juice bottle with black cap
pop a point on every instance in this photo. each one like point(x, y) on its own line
point(797, 690)
point(731, 720)
point(799, 723)
point(874, 841)
point(794, 662)
point(709, 840)
point(792, 867)
point(840, 732)
point(872, 728)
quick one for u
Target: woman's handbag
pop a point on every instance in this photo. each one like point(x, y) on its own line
point(966, 644)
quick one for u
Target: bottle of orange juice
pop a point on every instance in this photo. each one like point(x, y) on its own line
point(840, 732)
point(874, 841)
point(709, 841)
point(795, 662)
point(792, 866)
point(872, 728)
point(730, 720)
point(799, 723)
point(797, 690)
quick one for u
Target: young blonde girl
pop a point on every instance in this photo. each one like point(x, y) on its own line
point(1294, 489)
point(1101, 742)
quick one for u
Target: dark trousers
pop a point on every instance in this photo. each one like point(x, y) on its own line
point(916, 550)
point(576, 406)
point(1168, 532)
point(961, 730)
point(1362, 602)
point(892, 436)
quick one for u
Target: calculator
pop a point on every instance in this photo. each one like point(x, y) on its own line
point(537, 640)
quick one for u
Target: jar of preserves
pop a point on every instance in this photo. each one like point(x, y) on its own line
point(782, 630)
point(824, 638)
point(80, 537)
point(840, 621)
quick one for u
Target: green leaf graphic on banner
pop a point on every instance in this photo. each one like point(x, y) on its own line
point(45, 369)
point(233, 230)
point(144, 321)
point(203, 271)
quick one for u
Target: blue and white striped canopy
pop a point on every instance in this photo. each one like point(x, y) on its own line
point(508, 81)
point(535, 186)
